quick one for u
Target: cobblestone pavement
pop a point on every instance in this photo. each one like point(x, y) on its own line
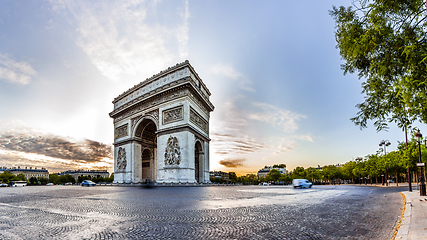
point(235, 212)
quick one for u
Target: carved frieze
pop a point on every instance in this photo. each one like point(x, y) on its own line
point(152, 102)
point(172, 152)
point(121, 159)
point(121, 131)
point(173, 115)
point(198, 120)
point(134, 121)
point(153, 114)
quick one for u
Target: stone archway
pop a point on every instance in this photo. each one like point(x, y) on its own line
point(198, 162)
point(158, 123)
point(145, 136)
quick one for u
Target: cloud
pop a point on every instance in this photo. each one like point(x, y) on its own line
point(182, 33)
point(15, 72)
point(127, 38)
point(232, 163)
point(55, 146)
point(230, 72)
point(229, 144)
point(275, 116)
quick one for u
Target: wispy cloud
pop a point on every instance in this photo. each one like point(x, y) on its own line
point(183, 32)
point(122, 39)
point(275, 116)
point(232, 163)
point(15, 72)
point(237, 133)
point(231, 73)
point(227, 144)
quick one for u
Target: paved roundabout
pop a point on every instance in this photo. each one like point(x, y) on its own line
point(220, 212)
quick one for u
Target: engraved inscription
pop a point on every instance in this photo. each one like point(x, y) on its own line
point(172, 152)
point(121, 131)
point(198, 120)
point(173, 115)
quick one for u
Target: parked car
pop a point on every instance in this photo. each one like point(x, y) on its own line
point(302, 183)
point(69, 183)
point(88, 183)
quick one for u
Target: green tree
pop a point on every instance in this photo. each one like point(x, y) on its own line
point(313, 174)
point(7, 176)
point(42, 180)
point(21, 177)
point(274, 175)
point(66, 178)
point(82, 178)
point(54, 178)
point(347, 170)
point(33, 180)
point(232, 176)
point(282, 165)
point(299, 172)
point(385, 43)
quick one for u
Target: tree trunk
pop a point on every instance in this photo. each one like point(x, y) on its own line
point(397, 179)
point(386, 177)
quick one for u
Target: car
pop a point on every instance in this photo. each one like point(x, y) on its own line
point(301, 183)
point(3, 184)
point(50, 184)
point(88, 183)
point(69, 183)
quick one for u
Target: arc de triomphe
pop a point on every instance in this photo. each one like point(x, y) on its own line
point(161, 129)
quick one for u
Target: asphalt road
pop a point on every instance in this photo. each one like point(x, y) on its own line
point(220, 212)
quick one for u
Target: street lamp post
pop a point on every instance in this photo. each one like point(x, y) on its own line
point(385, 143)
point(420, 164)
point(406, 138)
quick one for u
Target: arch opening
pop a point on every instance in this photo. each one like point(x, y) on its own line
point(145, 134)
point(198, 161)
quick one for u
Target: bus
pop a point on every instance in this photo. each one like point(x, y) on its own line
point(18, 183)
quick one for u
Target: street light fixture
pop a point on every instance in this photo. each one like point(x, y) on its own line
point(420, 164)
point(385, 143)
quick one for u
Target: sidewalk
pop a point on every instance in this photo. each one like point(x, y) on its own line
point(414, 221)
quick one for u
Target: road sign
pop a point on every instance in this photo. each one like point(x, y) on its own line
point(421, 164)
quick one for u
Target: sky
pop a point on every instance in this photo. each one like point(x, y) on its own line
point(272, 68)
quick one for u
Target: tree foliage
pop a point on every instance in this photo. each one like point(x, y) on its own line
point(385, 43)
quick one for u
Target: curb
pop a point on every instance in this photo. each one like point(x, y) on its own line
point(403, 229)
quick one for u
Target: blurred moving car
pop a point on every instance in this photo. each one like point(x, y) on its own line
point(88, 183)
point(302, 183)
point(50, 184)
point(69, 183)
point(3, 184)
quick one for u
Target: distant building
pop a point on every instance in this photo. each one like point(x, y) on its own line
point(219, 174)
point(28, 172)
point(263, 172)
point(92, 173)
point(319, 168)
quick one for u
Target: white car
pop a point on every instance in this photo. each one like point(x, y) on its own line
point(302, 183)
